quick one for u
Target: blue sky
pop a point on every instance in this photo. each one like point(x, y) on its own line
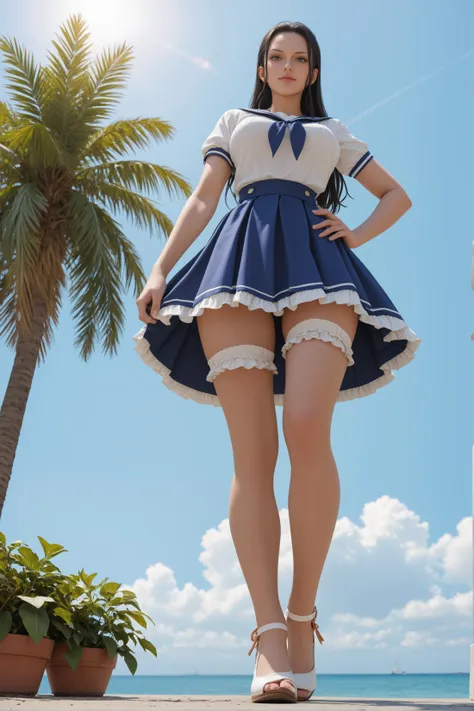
point(134, 480)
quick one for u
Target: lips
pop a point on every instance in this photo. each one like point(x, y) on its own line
point(287, 79)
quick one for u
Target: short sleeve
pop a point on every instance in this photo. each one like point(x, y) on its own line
point(218, 141)
point(355, 153)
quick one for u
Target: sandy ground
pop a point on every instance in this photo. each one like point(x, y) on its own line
point(125, 702)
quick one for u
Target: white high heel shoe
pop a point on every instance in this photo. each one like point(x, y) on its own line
point(258, 682)
point(306, 681)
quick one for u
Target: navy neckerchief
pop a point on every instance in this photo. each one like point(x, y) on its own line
point(277, 129)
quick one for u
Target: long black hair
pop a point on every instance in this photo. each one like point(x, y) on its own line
point(311, 103)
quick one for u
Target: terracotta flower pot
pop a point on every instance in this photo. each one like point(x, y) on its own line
point(22, 663)
point(91, 677)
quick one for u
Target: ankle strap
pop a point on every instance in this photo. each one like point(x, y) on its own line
point(307, 618)
point(272, 626)
point(301, 618)
point(259, 630)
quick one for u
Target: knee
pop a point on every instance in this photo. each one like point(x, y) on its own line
point(241, 356)
point(306, 425)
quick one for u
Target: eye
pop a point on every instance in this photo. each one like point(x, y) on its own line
point(277, 56)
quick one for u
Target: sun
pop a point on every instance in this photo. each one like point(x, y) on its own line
point(111, 21)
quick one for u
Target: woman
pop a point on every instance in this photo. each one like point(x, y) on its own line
point(312, 327)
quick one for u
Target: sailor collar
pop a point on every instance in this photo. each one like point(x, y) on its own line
point(277, 129)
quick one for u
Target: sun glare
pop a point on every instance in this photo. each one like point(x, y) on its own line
point(111, 21)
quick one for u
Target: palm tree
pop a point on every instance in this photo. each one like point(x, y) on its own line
point(64, 176)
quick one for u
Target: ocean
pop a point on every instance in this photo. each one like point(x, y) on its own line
point(455, 685)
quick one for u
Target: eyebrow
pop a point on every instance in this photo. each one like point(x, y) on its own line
point(280, 50)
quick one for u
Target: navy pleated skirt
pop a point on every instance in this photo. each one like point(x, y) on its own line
point(264, 254)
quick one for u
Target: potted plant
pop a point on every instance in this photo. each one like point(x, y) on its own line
point(63, 624)
point(93, 624)
point(27, 584)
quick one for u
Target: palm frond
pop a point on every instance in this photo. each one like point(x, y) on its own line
point(66, 78)
point(95, 272)
point(6, 115)
point(72, 56)
point(7, 196)
point(10, 172)
point(7, 155)
point(139, 209)
point(128, 257)
point(136, 174)
point(19, 227)
point(17, 310)
point(106, 78)
point(24, 79)
point(37, 145)
point(9, 312)
point(115, 139)
point(20, 222)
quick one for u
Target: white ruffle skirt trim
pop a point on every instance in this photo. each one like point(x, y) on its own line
point(399, 330)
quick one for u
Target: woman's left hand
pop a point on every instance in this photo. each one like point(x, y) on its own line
point(335, 227)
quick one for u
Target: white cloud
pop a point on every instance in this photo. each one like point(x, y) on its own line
point(382, 596)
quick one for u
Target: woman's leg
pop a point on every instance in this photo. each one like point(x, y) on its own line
point(314, 373)
point(246, 396)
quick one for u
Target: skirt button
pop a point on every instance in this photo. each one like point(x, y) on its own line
point(306, 192)
point(250, 190)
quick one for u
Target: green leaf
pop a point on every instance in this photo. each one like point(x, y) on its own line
point(116, 601)
point(96, 277)
point(65, 631)
point(134, 604)
point(93, 637)
point(121, 635)
point(49, 567)
point(36, 621)
point(3, 539)
point(147, 646)
point(37, 601)
point(109, 589)
point(6, 620)
point(64, 614)
point(25, 79)
point(128, 595)
point(51, 549)
point(28, 557)
point(130, 661)
point(73, 656)
point(110, 645)
point(124, 135)
point(77, 637)
point(107, 78)
point(84, 577)
point(137, 616)
point(20, 224)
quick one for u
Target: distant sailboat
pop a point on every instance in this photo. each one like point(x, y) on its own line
point(396, 670)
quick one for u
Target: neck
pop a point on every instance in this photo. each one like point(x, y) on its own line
point(286, 110)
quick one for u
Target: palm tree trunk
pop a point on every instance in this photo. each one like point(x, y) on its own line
point(17, 393)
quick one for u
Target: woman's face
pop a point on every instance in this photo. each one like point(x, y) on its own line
point(287, 57)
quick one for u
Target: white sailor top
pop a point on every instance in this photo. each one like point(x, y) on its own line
point(257, 145)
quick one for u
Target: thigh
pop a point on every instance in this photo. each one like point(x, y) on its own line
point(246, 395)
point(314, 369)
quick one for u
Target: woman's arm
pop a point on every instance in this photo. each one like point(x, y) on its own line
point(393, 201)
point(196, 214)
